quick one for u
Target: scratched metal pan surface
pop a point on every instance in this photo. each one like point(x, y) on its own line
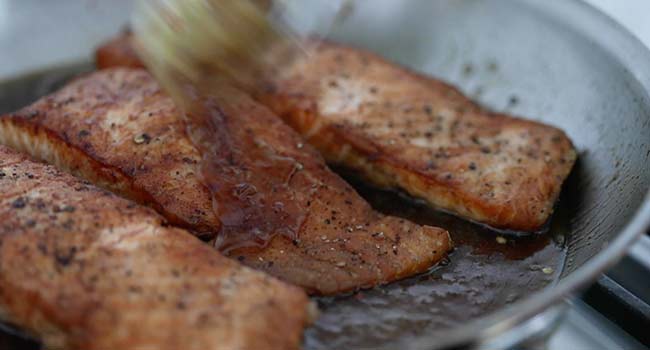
point(559, 62)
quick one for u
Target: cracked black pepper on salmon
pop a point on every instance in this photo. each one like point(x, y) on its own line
point(403, 130)
point(81, 268)
point(269, 200)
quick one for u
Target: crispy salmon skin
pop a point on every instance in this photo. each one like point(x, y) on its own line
point(404, 130)
point(116, 127)
point(83, 269)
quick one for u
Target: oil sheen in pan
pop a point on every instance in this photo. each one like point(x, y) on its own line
point(486, 270)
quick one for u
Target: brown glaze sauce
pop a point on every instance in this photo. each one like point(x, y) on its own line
point(480, 276)
point(249, 180)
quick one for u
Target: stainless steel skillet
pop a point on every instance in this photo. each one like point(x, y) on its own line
point(561, 62)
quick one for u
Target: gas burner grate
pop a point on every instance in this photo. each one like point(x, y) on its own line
point(623, 294)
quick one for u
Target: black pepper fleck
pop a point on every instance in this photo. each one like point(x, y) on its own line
point(19, 203)
point(64, 259)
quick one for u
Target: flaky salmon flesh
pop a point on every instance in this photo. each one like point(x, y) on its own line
point(403, 130)
point(117, 129)
point(81, 268)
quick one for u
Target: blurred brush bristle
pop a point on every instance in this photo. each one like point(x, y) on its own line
point(201, 42)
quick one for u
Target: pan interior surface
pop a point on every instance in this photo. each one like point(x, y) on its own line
point(518, 57)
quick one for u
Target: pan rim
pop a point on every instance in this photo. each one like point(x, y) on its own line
point(493, 325)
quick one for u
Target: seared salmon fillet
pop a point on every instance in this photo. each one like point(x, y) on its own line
point(81, 268)
point(404, 130)
point(275, 204)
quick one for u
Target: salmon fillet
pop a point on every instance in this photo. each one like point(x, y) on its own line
point(400, 129)
point(83, 269)
point(276, 205)
point(404, 130)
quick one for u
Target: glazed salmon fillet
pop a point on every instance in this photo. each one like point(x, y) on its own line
point(81, 268)
point(400, 129)
point(404, 130)
point(276, 206)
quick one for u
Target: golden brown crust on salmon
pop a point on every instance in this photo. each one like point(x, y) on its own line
point(401, 129)
point(118, 133)
point(83, 269)
point(341, 243)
